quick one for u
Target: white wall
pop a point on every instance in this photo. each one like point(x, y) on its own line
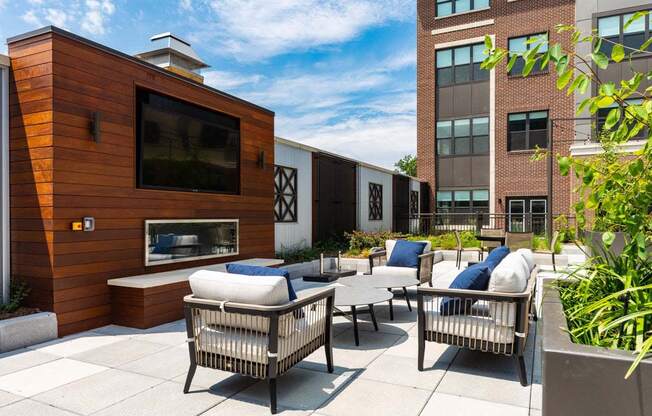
point(4, 178)
point(366, 175)
point(298, 234)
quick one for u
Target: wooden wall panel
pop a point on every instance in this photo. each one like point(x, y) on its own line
point(60, 175)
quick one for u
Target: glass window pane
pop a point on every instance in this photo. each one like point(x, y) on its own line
point(609, 26)
point(637, 25)
point(443, 196)
point(538, 138)
point(462, 73)
point(462, 196)
point(478, 53)
point(445, 9)
point(479, 4)
point(480, 74)
point(462, 6)
point(538, 206)
point(518, 44)
point(444, 129)
point(517, 206)
point(517, 141)
point(633, 41)
point(444, 147)
point(445, 76)
point(541, 39)
point(462, 145)
point(539, 120)
point(444, 58)
point(462, 55)
point(480, 145)
point(481, 195)
point(517, 122)
point(462, 128)
point(481, 126)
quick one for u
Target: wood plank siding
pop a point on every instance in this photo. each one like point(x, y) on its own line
point(59, 174)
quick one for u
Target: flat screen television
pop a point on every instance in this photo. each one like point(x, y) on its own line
point(185, 147)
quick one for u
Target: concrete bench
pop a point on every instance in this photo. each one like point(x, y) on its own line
point(152, 299)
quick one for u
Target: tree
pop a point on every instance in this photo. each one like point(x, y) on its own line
point(407, 165)
point(610, 302)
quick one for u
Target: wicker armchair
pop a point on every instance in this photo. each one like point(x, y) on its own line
point(486, 321)
point(460, 249)
point(490, 245)
point(518, 240)
point(262, 342)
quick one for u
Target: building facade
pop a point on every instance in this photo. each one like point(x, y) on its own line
point(477, 130)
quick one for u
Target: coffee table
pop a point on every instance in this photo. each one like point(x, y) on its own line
point(382, 282)
point(352, 297)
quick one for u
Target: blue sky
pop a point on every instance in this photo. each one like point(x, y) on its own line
point(340, 74)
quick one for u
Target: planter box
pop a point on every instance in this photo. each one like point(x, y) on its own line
point(27, 330)
point(581, 380)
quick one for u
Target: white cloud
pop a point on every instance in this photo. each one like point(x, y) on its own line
point(185, 4)
point(31, 18)
point(228, 81)
point(96, 15)
point(3, 3)
point(56, 17)
point(247, 31)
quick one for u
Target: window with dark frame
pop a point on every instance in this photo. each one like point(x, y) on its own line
point(450, 7)
point(601, 117)
point(522, 44)
point(375, 202)
point(612, 30)
point(463, 136)
point(285, 194)
point(460, 65)
point(414, 203)
point(527, 131)
point(463, 201)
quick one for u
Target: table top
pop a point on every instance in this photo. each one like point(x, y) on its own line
point(381, 282)
point(354, 296)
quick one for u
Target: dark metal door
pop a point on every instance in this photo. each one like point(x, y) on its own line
point(401, 196)
point(335, 202)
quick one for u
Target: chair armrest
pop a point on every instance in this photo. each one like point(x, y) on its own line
point(473, 294)
point(377, 256)
point(249, 309)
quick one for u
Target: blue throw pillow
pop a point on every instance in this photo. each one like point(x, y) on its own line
point(406, 254)
point(475, 277)
point(496, 256)
point(247, 270)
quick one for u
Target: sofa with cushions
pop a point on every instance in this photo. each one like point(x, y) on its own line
point(418, 266)
point(485, 307)
point(254, 325)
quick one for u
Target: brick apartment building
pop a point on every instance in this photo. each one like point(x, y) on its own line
point(477, 130)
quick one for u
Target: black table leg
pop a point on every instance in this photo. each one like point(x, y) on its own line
point(391, 309)
point(407, 299)
point(355, 325)
point(373, 316)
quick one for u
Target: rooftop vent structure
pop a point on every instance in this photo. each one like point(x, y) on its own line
point(174, 54)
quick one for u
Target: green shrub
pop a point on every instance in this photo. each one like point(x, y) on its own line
point(360, 240)
point(18, 293)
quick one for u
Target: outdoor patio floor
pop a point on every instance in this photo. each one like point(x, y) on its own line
point(121, 371)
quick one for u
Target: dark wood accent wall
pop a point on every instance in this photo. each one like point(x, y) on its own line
point(59, 175)
point(148, 307)
point(334, 197)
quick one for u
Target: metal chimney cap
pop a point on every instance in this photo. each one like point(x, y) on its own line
point(168, 35)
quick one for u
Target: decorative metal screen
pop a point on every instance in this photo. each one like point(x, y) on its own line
point(285, 194)
point(414, 203)
point(375, 201)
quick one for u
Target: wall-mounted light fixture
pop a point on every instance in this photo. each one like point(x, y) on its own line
point(261, 159)
point(96, 124)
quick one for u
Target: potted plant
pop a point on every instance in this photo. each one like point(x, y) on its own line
point(597, 324)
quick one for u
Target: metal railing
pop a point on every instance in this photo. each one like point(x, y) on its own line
point(439, 223)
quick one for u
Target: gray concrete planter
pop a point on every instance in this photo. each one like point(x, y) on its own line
point(27, 330)
point(581, 380)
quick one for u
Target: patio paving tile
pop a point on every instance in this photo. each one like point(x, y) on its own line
point(373, 398)
point(13, 361)
point(119, 353)
point(242, 408)
point(166, 399)
point(44, 377)
point(299, 389)
point(173, 334)
point(536, 397)
point(445, 404)
point(166, 364)
point(91, 394)
point(117, 330)
point(403, 371)
point(221, 382)
point(497, 388)
point(32, 408)
point(7, 398)
point(408, 347)
point(76, 344)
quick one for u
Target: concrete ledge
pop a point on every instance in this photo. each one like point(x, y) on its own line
point(24, 331)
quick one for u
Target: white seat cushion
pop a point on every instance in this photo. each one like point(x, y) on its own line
point(252, 346)
point(394, 271)
point(510, 276)
point(444, 280)
point(481, 328)
point(528, 257)
point(251, 290)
